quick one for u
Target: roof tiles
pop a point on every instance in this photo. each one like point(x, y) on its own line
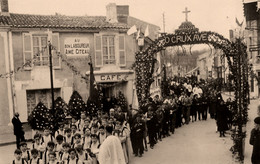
point(58, 21)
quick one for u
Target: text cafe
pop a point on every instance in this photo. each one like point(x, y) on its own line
point(110, 77)
point(112, 83)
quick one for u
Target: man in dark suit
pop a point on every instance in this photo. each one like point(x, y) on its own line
point(18, 129)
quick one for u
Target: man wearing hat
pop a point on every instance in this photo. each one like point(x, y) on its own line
point(137, 133)
point(18, 129)
point(255, 141)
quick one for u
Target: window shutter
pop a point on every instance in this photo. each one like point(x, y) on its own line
point(56, 44)
point(27, 50)
point(98, 51)
point(122, 55)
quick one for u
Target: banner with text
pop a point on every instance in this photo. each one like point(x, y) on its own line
point(76, 46)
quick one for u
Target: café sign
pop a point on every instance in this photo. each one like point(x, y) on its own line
point(76, 46)
point(110, 77)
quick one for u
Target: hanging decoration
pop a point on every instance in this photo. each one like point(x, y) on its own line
point(236, 55)
point(41, 117)
point(72, 67)
point(28, 63)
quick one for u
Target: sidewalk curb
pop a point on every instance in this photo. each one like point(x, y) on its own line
point(13, 142)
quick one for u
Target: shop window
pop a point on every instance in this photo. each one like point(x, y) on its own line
point(36, 96)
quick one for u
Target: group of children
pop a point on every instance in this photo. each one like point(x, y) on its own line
point(75, 142)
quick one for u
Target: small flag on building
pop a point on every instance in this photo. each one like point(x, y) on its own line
point(138, 34)
point(146, 33)
point(132, 30)
point(238, 23)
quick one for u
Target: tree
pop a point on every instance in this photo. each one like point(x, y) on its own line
point(76, 105)
point(121, 101)
point(41, 118)
point(60, 112)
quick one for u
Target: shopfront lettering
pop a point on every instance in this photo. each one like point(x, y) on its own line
point(110, 77)
point(76, 46)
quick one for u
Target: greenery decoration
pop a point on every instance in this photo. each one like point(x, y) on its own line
point(76, 105)
point(236, 55)
point(28, 63)
point(41, 117)
point(92, 108)
point(72, 67)
point(60, 112)
point(121, 101)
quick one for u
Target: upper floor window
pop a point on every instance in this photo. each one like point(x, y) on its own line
point(35, 47)
point(108, 46)
point(40, 50)
point(110, 50)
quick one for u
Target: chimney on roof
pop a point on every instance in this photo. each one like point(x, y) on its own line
point(111, 13)
point(4, 10)
point(116, 13)
point(122, 13)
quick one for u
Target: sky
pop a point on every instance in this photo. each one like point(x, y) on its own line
point(207, 15)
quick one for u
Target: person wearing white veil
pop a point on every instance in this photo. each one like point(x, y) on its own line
point(111, 151)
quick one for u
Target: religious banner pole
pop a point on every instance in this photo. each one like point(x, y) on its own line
point(51, 75)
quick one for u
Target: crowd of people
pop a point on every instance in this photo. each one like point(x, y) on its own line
point(116, 136)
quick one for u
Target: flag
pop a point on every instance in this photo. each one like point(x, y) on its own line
point(93, 91)
point(146, 33)
point(239, 24)
point(132, 30)
point(138, 34)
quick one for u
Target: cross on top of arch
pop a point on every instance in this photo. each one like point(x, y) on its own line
point(186, 12)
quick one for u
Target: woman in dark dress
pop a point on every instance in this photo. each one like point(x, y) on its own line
point(255, 141)
point(193, 110)
point(222, 118)
point(213, 103)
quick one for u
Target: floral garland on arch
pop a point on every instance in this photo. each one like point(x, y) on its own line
point(144, 68)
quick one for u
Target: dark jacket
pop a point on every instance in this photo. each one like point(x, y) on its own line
point(255, 141)
point(138, 129)
point(18, 128)
point(222, 117)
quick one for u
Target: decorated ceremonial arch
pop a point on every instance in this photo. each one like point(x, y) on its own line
point(236, 55)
